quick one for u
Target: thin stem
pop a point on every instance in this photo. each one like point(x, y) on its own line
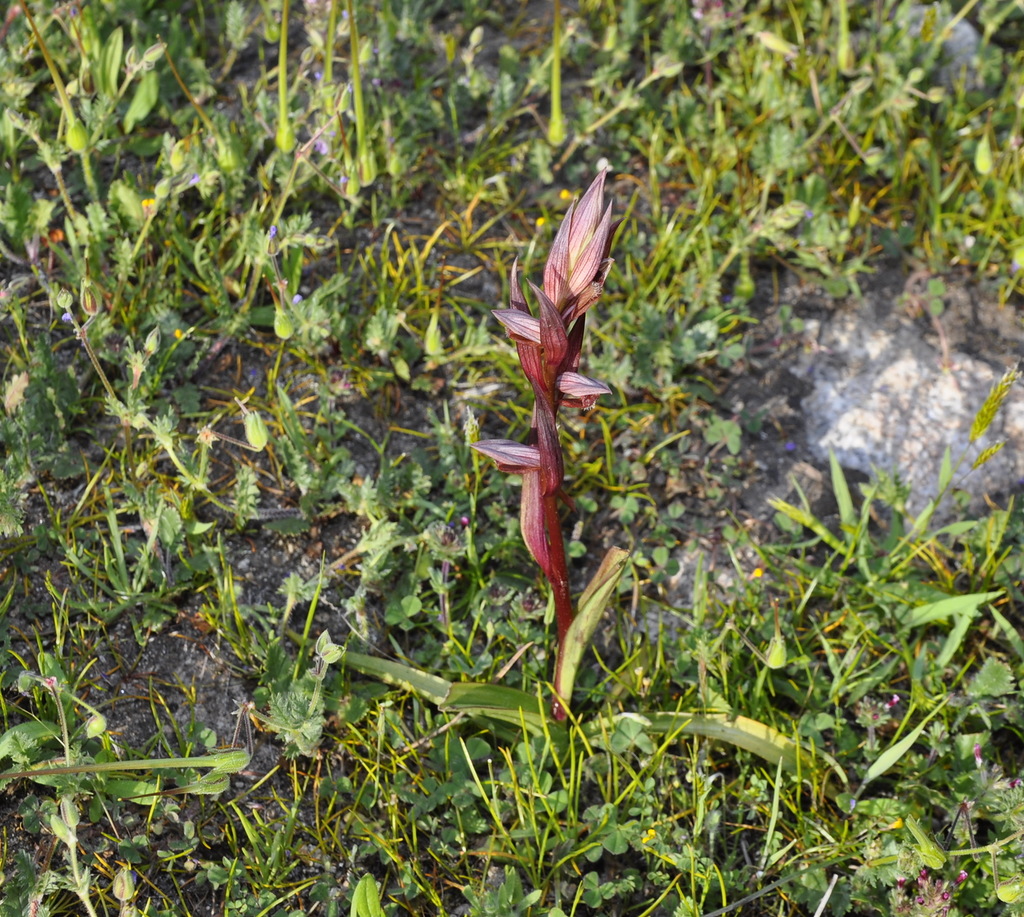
point(364, 166)
point(332, 31)
point(556, 127)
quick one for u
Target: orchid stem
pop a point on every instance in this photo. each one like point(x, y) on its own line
point(559, 579)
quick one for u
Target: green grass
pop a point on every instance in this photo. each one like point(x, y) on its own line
point(246, 345)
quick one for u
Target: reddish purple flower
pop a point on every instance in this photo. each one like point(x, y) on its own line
point(549, 342)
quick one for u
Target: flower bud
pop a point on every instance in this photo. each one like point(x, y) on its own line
point(95, 726)
point(178, 156)
point(90, 304)
point(123, 885)
point(77, 137)
point(853, 214)
point(776, 655)
point(983, 156)
point(61, 830)
point(744, 287)
point(256, 431)
point(69, 812)
point(327, 649)
point(284, 327)
point(152, 54)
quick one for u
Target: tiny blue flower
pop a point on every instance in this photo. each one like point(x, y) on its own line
point(66, 317)
point(273, 231)
point(321, 147)
point(296, 299)
point(194, 180)
point(790, 446)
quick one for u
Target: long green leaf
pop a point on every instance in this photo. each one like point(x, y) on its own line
point(591, 606)
point(743, 732)
point(847, 515)
point(432, 687)
point(897, 750)
point(947, 608)
point(498, 702)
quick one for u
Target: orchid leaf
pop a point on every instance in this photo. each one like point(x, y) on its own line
point(497, 702)
point(751, 735)
point(431, 687)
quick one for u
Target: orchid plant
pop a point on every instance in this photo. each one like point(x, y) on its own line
point(549, 346)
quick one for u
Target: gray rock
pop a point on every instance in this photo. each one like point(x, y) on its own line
point(888, 396)
point(959, 47)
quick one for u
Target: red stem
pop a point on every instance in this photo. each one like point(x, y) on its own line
point(559, 579)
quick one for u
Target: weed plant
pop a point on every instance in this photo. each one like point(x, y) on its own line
point(249, 257)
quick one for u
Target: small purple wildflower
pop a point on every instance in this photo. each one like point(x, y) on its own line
point(67, 317)
point(321, 147)
point(296, 299)
point(194, 180)
point(790, 446)
point(273, 231)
